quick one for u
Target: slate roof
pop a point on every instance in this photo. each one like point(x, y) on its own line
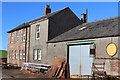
point(43, 17)
point(19, 27)
point(98, 29)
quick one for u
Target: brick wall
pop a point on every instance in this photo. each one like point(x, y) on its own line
point(17, 46)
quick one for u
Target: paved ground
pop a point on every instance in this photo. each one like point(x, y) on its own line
point(17, 73)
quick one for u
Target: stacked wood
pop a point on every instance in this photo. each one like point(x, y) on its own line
point(59, 69)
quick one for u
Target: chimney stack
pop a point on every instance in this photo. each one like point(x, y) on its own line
point(84, 16)
point(47, 10)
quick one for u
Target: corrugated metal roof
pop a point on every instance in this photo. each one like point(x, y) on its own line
point(98, 29)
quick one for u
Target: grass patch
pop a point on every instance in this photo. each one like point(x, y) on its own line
point(3, 54)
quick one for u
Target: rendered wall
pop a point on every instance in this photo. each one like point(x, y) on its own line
point(112, 64)
point(40, 43)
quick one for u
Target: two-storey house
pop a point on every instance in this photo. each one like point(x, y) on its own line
point(28, 42)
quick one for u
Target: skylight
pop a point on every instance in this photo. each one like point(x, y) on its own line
point(82, 28)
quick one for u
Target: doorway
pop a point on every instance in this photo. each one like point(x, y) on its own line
point(80, 60)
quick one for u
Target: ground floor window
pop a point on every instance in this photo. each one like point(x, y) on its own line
point(36, 54)
point(16, 55)
point(22, 54)
point(11, 54)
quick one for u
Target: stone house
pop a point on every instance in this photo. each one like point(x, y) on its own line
point(28, 41)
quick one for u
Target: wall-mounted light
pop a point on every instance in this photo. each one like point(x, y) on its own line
point(92, 49)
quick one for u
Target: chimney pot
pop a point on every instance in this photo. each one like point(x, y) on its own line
point(47, 10)
point(84, 16)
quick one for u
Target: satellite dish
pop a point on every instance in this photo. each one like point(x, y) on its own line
point(111, 49)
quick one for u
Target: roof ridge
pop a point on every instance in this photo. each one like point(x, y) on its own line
point(48, 14)
point(104, 19)
point(25, 24)
point(105, 29)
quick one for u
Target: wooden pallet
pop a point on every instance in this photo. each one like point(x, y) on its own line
point(98, 69)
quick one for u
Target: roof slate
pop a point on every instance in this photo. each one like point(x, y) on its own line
point(43, 17)
point(19, 27)
point(98, 29)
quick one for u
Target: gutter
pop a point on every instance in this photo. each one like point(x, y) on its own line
point(81, 39)
point(33, 22)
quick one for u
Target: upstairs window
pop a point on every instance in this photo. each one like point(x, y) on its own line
point(11, 38)
point(17, 37)
point(37, 35)
point(23, 35)
point(37, 54)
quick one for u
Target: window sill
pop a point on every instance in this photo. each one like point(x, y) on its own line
point(37, 60)
point(37, 38)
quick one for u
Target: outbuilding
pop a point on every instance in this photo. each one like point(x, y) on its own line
point(89, 45)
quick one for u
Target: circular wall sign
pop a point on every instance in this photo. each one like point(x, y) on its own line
point(111, 49)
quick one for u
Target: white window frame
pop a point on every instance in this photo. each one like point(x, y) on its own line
point(20, 54)
point(39, 54)
point(16, 54)
point(36, 54)
point(11, 38)
point(11, 54)
point(37, 32)
point(17, 37)
point(23, 35)
point(23, 54)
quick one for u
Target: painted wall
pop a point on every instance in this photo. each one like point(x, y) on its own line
point(111, 62)
point(119, 55)
point(62, 22)
point(56, 50)
point(40, 43)
point(50, 28)
point(112, 65)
